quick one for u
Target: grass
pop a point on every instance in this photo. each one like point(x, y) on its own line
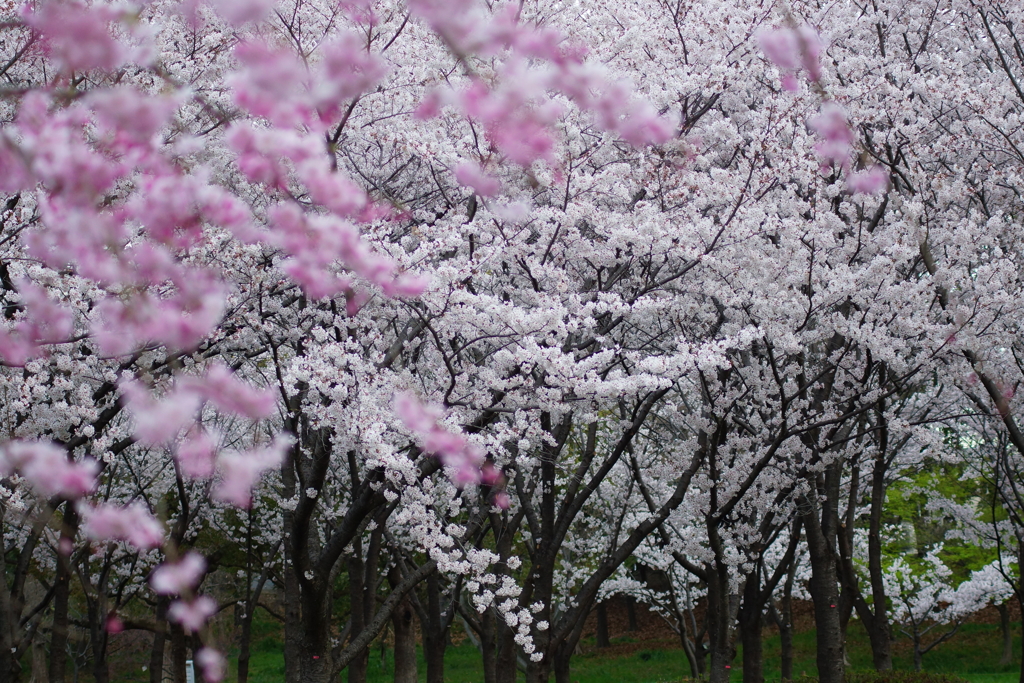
point(974, 650)
point(462, 665)
point(973, 654)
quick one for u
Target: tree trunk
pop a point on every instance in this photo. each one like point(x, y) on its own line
point(100, 638)
point(245, 638)
point(357, 668)
point(602, 625)
point(156, 653)
point(402, 621)
point(1004, 626)
point(292, 609)
point(488, 646)
point(824, 588)
point(752, 610)
point(845, 612)
point(786, 630)
point(1020, 599)
point(879, 631)
point(561, 665)
point(719, 622)
point(881, 644)
point(316, 664)
point(783, 618)
point(507, 653)
point(435, 630)
point(691, 649)
point(631, 614)
point(434, 655)
point(179, 654)
point(9, 669)
point(61, 594)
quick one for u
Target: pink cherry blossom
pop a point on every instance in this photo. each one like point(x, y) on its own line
point(44, 322)
point(239, 471)
point(133, 524)
point(47, 468)
point(114, 624)
point(77, 36)
point(194, 614)
point(837, 137)
point(178, 577)
point(782, 47)
point(792, 50)
point(212, 664)
point(222, 387)
point(196, 454)
point(159, 421)
point(239, 12)
point(454, 450)
point(871, 181)
point(473, 176)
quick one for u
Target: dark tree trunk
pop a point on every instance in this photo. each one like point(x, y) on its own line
point(402, 621)
point(561, 665)
point(507, 653)
point(99, 637)
point(179, 654)
point(786, 626)
point(292, 599)
point(156, 653)
point(494, 650)
point(357, 668)
point(631, 614)
point(783, 617)
point(845, 612)
point(434, 656)
point(879, 630)
point(9, 669)
point(316, 663)
point(693, 649)
point(719, 622)
point(251, 601)
point(602, 625)
point(1004, 625)
point(488, 646)
point(61, 594)
point(752, 610)
point(435, 630)
point(356, 595)
point(1020, 601)
point(824, 591)
point(539, 672)
point(245, 623)
point(12, 600)
point(244, 640)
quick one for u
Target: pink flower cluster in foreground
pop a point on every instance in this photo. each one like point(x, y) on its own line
point(799, 50)
point(453, 449)
point(515, 108)
point(132, 524)
point(48, 469)
point(126, 211)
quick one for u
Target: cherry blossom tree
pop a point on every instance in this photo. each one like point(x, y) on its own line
point(463, 309)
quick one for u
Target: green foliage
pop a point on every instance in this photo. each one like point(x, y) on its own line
point(901, 677)
point(913, 529)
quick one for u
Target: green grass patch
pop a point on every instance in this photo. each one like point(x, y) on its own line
point(972, 655)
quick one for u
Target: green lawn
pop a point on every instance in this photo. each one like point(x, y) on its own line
point(972, 654)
